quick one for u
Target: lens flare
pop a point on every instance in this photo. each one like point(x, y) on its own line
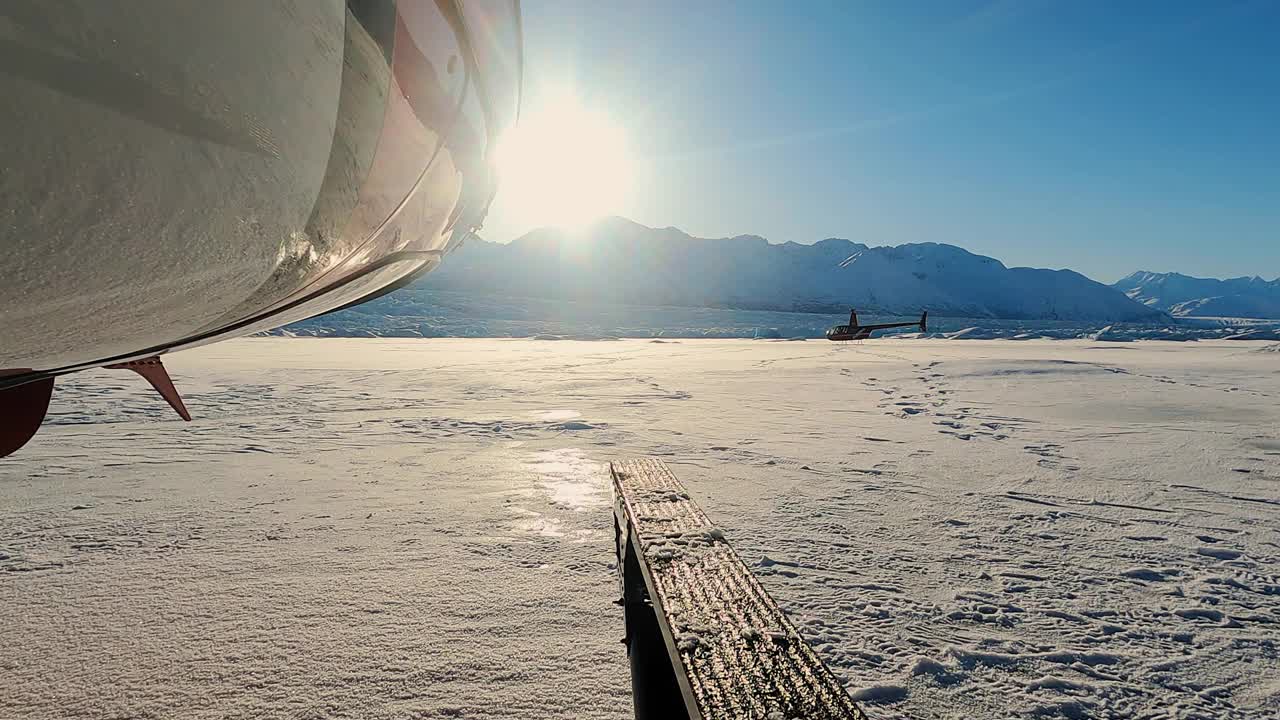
point(563, 165)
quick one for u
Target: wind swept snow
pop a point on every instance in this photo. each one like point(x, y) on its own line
point(422, 529)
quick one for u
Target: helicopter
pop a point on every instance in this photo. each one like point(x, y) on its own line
point(854, 331)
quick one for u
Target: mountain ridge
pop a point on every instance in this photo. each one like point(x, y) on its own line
point(618, 260)
point(1189, 296)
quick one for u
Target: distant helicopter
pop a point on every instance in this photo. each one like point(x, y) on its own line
point(854, 331)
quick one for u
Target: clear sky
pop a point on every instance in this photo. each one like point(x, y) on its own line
point(1101, 136)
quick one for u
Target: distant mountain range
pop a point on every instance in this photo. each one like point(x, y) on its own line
point(1185, 296)
point(616, 260)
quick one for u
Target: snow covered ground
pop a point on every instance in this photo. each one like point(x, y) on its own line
point(420, 528)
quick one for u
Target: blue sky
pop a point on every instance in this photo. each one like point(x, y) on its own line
point(1101, 136)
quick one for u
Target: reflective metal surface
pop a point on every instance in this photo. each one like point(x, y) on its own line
point(179, 172)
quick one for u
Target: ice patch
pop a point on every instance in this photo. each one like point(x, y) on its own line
point(535, 523)
point(557, 414)
point(570, 478)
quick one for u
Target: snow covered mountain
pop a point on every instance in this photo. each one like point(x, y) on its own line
point(1182, 295)
point(616, 260)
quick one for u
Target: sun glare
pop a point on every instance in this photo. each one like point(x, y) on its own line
point(564, 164)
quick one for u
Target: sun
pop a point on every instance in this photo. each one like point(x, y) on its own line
point(563, 164)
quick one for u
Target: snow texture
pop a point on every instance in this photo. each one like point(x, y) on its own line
point(409, 529)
